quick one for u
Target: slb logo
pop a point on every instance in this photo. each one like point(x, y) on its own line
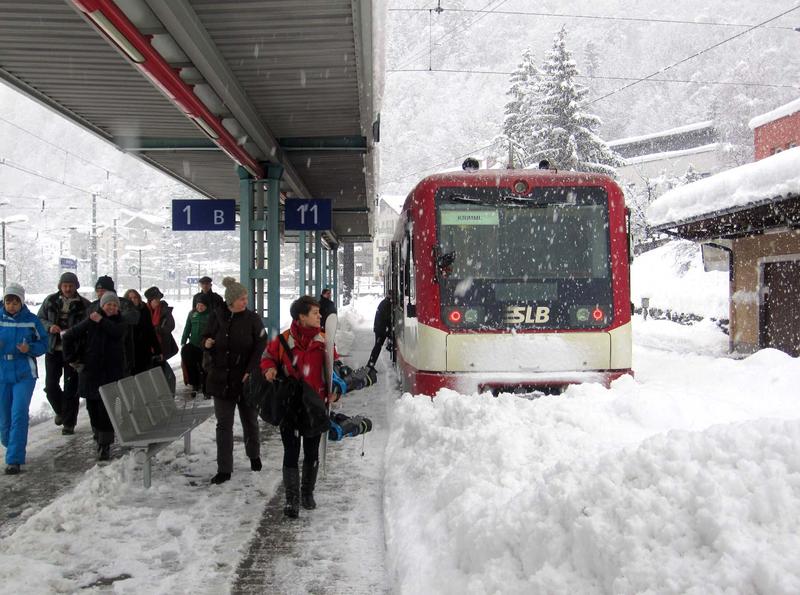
point(527, 314)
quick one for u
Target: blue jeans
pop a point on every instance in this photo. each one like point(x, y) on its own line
point(15, 399)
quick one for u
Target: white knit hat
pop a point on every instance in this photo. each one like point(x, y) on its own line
point(15, 289)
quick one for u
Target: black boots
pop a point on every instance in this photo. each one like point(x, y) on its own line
point(307, 486)
point(13, 470)
point(255, 464)
point(220, 478)
point(291, 482)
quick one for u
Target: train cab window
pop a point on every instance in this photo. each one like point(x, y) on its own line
point(408, 277)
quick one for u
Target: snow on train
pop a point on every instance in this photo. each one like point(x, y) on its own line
point(511, 280)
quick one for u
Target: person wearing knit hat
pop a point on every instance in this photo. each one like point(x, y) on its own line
point(234, 339)
point(163, 323)
point(109, 297)
point(96, 346)
point(60, 311)
point(22, 340)
point(104, 283)
point(233, 291)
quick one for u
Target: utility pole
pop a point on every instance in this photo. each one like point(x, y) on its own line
point(93, 239)
point(114, 250)
point(5, 265)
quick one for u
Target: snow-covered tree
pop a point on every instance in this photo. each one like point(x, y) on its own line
point(511, 144)
point(561, 130)
point(591, 58)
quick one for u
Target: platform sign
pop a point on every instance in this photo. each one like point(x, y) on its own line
point(192, 280)
point(203, 215)
point(307, 214)
point(68, 263)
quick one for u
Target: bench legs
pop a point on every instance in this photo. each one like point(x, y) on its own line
point(146, 472)
point(187, 443)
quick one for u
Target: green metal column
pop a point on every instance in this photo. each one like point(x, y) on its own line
point(246, 255)
point(301, 262)
point(273, 200)
point(335, 275)
point(317, 263)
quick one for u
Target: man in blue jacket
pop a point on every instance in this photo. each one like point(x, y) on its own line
point(22, 340)
point(60, 311)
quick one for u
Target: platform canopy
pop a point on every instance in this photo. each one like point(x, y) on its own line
point(199, 87)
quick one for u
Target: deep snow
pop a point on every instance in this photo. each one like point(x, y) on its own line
point(685, 478)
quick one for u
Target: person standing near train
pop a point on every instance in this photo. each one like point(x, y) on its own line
point(22, 340)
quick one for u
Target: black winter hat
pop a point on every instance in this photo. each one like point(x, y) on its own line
point(105, 282)
point(153, 293)
point(69, 277)
point(205, 279)
point(205, 299)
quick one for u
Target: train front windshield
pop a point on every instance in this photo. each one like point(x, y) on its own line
point(538, 261)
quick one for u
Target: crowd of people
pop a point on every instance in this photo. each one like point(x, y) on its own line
point(89, 344)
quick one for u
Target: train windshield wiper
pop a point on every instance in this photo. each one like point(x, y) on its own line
point(464, 198)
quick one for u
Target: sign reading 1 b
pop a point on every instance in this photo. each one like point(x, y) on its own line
point(203, 215)
point(303, 214)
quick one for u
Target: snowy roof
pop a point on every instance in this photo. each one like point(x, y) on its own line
point(672, 154)
point(779, 112)
point(740, 187)
point(669, 132)
point(395, 201)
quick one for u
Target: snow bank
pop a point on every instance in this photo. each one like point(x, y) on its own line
point(777, 175)
point(632, 489)
point(672, 276)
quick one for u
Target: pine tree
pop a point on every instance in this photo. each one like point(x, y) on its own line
point(591, 58)
point(561, 129)
point(522, 98)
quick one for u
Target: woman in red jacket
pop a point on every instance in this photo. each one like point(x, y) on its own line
point(305, 361)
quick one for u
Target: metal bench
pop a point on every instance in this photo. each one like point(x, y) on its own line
point(146, 417)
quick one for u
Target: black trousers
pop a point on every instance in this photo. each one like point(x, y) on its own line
point(291, 448)
point(101, 423)
point(192, 360)
point(64, 401)
point(225, 410)
point(376, 350)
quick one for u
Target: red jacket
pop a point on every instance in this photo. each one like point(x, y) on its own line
point(308, 348)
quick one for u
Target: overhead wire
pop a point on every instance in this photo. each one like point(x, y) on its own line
point(458, 29)
point(592, 17)
point(635, 82)
point(610, 78)
point(694, 55)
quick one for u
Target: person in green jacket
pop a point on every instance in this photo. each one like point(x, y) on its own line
point(192, 350)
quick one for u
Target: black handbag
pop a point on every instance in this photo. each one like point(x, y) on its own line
point(270, 399)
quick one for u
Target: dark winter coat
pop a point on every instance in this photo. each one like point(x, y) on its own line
point(130, 316)
point(50, 314)
point(145, 341)
point(99, 350)
point(166, 325)
point(326, 308)
point(22, 327)
point(383, 318)
point(240, 339)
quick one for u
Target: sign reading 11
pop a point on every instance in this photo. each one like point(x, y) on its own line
point(307, 214)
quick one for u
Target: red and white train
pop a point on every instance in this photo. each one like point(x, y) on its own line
point(511, 280)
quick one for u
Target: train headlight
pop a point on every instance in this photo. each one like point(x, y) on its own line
point(598, 314)
point(520, 187)
point(454, 316)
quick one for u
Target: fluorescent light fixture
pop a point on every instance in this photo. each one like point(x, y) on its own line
point(114, 34)
point(203, 125)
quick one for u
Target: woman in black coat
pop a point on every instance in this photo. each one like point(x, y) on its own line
point(234, 339)
point(96, 347)
point(145, 341)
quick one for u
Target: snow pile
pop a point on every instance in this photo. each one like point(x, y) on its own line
point(626, 490)
point(171, 538)
point(777, 175)
point(672, 276)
